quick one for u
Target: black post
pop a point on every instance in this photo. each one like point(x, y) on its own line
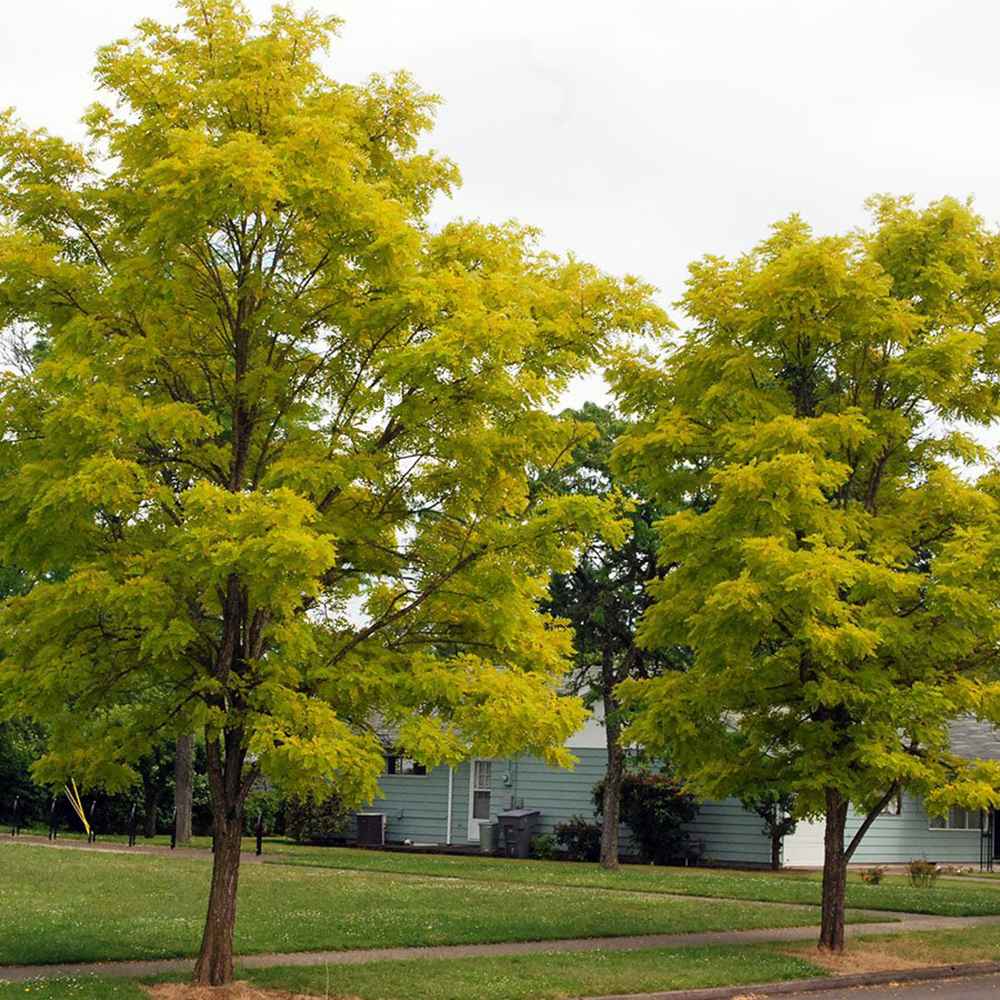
point(53, 818)
point(989, 843)
point(985, 838)
point(173, 832)
point(994, 852)
point(92, 836)
point(260, 834)
point(15, 827)
point(131, 827)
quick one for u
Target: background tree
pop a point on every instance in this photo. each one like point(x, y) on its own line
point(22, 347)
point(21, 744)
point(603, 598)
point(776, 807)
point(183, 787)
point(836, 580)
point(286, 436)
point(21, 741)
point(155, 769)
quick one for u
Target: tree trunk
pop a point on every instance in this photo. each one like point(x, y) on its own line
point(776, 851)
point(229, 788)
point(215, 960)
point(831, 935)
point(611, 805)
point(184, 787)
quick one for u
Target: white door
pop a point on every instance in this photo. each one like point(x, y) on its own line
point(480, 778)
point(804, 847)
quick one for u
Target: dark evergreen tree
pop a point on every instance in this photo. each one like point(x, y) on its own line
point(604, 597)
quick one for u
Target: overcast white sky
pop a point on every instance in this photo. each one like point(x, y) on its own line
point(641, 135)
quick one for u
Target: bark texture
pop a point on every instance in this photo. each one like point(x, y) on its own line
point(215, 960)
point(831, 935)
point(611, 806)
point(229, 786)
point(836, 859)
point(184, 787)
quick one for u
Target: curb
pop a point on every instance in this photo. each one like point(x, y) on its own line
point(821, 985)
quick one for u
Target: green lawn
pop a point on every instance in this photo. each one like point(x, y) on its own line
point(73, 988)
point(542, 977)
point(73, 905)
point(950, 897)
point(947, 898)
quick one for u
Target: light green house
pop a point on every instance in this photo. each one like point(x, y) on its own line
point(445, 807)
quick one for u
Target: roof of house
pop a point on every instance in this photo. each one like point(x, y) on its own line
point(973, 739)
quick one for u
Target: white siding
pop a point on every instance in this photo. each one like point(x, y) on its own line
point(805, 846)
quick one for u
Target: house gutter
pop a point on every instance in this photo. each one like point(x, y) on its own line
point(451, 798)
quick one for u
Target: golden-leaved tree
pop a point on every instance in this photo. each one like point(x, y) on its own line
point(834, 571)
point(288, 438)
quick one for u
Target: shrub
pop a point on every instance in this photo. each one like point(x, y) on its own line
point(544, 847)
point(655, 806)
point(113, 811)
point(579, 839)
point(21, 744)
point(873, 875)
point(201, 802)
point(923, 873)
point(310, 822)
point(270, 806)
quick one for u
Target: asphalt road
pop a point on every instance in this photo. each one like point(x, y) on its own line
point(972, 988)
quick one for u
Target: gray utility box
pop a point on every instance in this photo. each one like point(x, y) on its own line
point(489, 837)
point(517, 827)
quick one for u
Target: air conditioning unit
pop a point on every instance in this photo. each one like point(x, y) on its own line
point(371, 829)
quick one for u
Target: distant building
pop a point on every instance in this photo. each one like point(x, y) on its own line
point(446, 807)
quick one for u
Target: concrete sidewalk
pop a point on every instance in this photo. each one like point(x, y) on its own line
point(20, 973)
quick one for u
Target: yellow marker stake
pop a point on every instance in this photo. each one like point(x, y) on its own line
point(75, 801)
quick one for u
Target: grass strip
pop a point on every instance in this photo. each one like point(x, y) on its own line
point(950, 898)
point(520, 977)
point(871, 952)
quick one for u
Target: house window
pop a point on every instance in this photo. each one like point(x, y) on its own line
point(957, 819)
point(482, 775)
point(396, 763)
